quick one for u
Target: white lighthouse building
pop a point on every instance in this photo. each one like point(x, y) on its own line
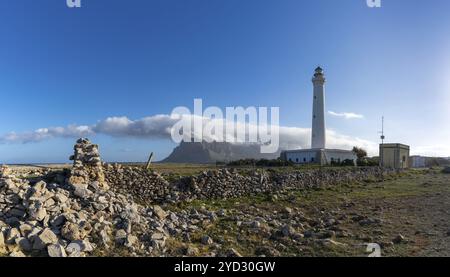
point(318, 138)
point(318, 153)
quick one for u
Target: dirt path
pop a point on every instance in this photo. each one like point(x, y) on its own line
point(432, 223)
point(415, 206)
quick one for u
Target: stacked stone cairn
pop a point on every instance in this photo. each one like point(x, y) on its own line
point(4, 171)
point(87, 172)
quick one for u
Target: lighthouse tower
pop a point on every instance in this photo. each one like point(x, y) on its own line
point(318, 153)
point(318, 138)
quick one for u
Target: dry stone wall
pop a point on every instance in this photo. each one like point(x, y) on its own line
point(144, 185)
point(150, 186)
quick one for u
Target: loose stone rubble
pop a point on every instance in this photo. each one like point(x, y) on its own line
point(93, 209)
point(40, 219)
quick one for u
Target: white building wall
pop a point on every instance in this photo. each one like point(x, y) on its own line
point(303, 157)
point(319, 156)
point(417, 161)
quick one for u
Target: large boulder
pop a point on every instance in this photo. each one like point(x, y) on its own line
point(159, 212)
point(46, 237)
point(56, 250)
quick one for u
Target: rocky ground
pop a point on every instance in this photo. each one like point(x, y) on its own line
point(407, 215)
point(96, 209)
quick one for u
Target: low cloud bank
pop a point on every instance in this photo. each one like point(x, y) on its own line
point(159, 127)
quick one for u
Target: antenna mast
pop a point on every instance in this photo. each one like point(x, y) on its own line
point(382, 142)
point(382, 130)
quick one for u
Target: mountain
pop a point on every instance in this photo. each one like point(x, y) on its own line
point(212, 152)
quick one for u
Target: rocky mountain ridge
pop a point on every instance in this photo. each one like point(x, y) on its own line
point(212, 152)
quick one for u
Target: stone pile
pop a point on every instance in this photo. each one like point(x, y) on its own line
point(49, 219)
point(87, 168)
point(56, 215)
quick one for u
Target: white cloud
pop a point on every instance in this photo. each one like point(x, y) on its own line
point(148, 127)
point(346, 115)
point(432, 151)
point(70, 131)
point(159, 126)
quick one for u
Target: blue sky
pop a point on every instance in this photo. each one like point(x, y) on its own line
point(140, 58)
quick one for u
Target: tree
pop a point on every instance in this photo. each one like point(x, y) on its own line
point(360, 152)
point(361, 155)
